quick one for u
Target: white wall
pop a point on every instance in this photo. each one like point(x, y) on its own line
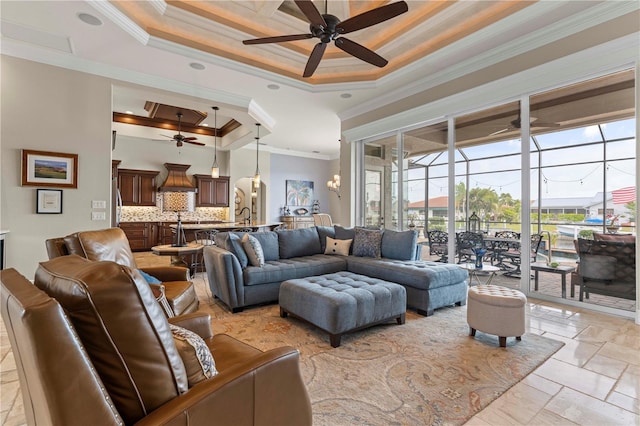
point(51, 109)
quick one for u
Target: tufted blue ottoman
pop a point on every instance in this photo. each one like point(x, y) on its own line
point(343, 302)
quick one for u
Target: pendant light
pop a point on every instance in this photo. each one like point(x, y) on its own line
point(215, 169)
point(256, 177)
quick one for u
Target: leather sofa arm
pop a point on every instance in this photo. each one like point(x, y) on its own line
point(168, 273)
point(198, 322)
point(264, 390)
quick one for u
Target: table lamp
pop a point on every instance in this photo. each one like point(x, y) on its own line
point(179, 202)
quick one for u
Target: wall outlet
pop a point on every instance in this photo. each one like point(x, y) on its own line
point(98, 216)
point(98, 204)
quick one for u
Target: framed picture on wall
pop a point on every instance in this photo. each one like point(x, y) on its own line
point(43, 168)
point(299, 193)
point(49, 201)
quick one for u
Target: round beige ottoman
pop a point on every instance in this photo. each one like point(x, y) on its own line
point(496, 310)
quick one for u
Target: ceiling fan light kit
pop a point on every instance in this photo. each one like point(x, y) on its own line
point(328, 27)
point(215, 168)
point(179, 138)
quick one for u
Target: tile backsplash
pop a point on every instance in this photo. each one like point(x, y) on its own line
point(155, 214)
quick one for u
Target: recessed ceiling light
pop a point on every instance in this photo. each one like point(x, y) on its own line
point(345, 95)
point(196, 66)
point(204, 125)
point(89, 19)
point(128, 112)
point(273, 87)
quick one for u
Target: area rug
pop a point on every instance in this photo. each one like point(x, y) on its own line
point(427, 371)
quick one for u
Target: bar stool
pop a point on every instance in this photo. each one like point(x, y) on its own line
point(206, 237)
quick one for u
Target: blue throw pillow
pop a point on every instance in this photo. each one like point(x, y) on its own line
point(235, 246)
point(298, 242)
point(323, 233)
point(345, 234)
point(400, 245)
point(150, 278)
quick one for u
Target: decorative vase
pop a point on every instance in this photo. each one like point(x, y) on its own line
point(479, 254)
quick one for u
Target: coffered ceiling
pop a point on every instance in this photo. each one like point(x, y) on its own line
point(189, 54)
point(218, 27)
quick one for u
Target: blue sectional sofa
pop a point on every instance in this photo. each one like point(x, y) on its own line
point(245, 270)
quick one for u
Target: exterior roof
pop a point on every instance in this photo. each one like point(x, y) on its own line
point(434, 203)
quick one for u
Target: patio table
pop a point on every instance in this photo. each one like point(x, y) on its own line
point(560, 269)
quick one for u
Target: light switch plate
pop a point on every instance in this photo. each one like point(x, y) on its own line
point(98, 204)
point(98, 216)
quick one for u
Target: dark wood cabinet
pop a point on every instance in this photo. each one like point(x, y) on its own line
point(165, 236)
point(137, 187)
point(139, 235)
point(144, 235)
point(212, 192)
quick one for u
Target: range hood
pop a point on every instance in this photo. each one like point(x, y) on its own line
point(177, 180)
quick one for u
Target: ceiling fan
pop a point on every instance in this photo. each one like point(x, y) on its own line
point(179, 138)
point(517, 123)
point(328, 27)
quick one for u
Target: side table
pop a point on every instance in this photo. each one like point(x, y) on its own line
point(489, 270)
point(560, 269)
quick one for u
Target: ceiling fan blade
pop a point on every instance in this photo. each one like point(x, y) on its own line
point(361, 52)
point(194, 143)
point(314, 59)
point(278, 39)
point(544, 124)
point(190, 138)
point(372, 17)
point(501, 131)
point(311, 12)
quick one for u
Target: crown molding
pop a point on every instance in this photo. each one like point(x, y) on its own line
point(51, 57)
point(121, 20)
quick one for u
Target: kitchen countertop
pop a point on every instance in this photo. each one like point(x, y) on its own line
point(225, 226)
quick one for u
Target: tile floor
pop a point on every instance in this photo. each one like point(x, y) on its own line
point(593, 380)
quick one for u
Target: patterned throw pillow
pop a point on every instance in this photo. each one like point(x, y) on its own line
point(340, 247)
point(195, 355)
point(253, 248)
point(367, 242)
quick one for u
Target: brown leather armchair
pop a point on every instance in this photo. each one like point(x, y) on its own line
point(108, 357)
point(112, 244)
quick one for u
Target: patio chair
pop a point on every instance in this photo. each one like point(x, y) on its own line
point(438, 244)
point(500, 246)
point(514, 256)
point(466, 242)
